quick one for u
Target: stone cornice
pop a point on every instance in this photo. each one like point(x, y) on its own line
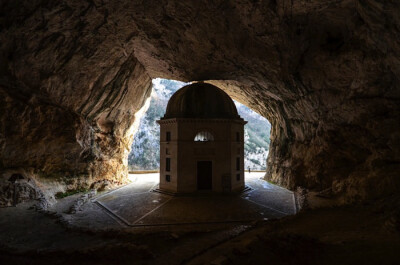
point(191, 120)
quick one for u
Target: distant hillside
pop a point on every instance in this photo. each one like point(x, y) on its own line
point(145, 152)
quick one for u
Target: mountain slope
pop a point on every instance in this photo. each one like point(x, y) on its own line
point(145, 154)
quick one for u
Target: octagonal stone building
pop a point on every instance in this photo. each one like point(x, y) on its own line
point(201, 142)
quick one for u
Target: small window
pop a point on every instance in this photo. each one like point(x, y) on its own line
point(203, 137)
point(168, 164)
point(238, 177)
point(237, 137)
point(237, 163)
point(238, 151)
point(168, 178)
point(167, 151)
point(168, 136)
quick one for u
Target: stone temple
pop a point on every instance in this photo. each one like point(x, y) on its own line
point(201, 142)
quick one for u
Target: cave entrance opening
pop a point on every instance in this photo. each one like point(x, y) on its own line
point(145, 150)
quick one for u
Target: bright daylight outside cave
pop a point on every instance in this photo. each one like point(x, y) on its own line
point(145, 149)
point(123, 134)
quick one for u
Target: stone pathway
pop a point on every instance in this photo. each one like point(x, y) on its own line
point(136, 204)
point(157, 228)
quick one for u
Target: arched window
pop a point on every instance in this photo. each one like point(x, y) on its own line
point(203, 137)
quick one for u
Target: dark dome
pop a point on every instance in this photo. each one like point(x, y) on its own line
point(201, 100)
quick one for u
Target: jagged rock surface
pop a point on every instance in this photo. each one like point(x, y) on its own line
point(68, 93)
point(325, 74)
point(13, 193)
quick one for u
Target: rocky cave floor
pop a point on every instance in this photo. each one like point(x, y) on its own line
point(101, 229)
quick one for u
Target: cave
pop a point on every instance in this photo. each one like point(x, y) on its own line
point(75, 76)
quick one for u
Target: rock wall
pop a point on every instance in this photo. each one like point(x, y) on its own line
point(68, 94)
point(326, 75)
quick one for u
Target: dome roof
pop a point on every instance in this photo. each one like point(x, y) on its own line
point(201, 100)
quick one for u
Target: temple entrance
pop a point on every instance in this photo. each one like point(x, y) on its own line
point(204, 175)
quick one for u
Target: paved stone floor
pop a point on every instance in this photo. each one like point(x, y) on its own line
point(134, 219)
point(137, 204)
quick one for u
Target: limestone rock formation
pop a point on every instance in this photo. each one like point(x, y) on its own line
point(326, 74)
point(69, 94)
point(17, 191)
